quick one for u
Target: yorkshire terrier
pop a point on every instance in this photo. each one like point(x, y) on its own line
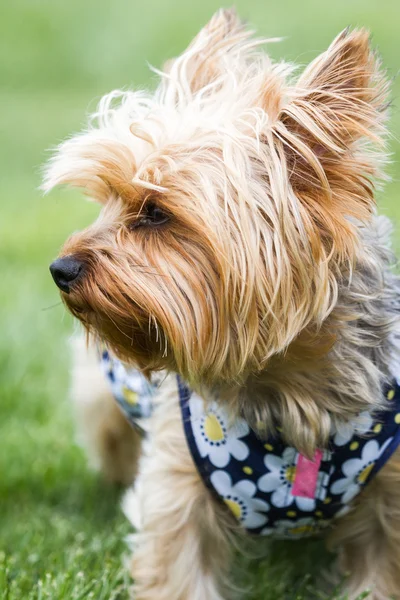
point(239, 288)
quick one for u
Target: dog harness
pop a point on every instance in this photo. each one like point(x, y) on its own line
point(269, 486)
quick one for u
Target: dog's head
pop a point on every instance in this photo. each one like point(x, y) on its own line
point(232, 198)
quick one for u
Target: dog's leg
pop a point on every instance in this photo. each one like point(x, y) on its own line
point(113, 446)
point(369, 538)
point(181, 551)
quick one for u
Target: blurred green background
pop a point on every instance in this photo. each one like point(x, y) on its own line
point(61, 531)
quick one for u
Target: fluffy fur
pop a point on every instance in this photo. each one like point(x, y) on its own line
point(270, 283)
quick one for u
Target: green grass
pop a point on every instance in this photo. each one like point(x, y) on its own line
point(61, 529)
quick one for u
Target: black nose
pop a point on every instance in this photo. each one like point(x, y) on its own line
point(65, 271)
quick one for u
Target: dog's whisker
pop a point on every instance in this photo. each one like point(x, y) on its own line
point(52, 306)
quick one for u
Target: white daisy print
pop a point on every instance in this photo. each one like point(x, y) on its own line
point(286, 529)
point(239, 498)
point(348, 430)
point(214, 436)
point(129, 386)
point(280, 478)
point(343, 512)
point(357, 471)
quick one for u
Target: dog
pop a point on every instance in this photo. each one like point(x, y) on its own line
point(239, 270)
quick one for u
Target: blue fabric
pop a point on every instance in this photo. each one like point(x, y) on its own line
point(254, 477)
point(133, 392)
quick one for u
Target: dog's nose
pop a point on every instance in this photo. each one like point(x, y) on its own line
point(65, 271)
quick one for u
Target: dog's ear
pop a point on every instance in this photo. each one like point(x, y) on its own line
point(94, 162)
point(205, 59)
point(343, 91)
point(332, 128)
point(101, 161)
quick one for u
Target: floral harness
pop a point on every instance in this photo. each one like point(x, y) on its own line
point(269, 487)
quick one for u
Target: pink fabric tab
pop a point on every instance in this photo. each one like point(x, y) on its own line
point(305, 481)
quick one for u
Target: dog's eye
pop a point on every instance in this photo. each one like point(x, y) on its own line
point(151, 216)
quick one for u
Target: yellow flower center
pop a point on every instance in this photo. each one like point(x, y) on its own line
point(302, 529)
point(290, 474)
point(213, 429)
point(234, 507)
point(363, 476)
point(130, 396)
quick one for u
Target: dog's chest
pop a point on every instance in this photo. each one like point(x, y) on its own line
point(269, 487)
